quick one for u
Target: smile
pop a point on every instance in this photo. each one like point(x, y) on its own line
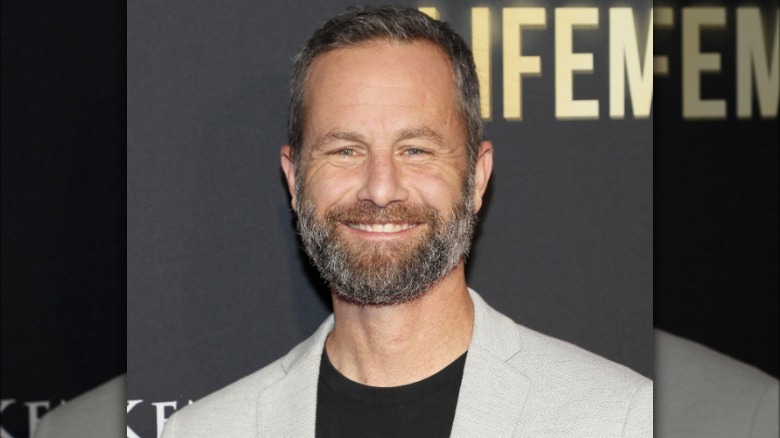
point(382, 228)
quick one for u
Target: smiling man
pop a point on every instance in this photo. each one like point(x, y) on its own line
point(387, 168)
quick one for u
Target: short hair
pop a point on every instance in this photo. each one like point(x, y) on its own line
point(361, 24)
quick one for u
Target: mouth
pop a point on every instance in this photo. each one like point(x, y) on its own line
point(381, 228)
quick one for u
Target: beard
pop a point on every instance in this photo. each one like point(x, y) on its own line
point(386, 272)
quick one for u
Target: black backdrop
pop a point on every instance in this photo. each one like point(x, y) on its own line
point(716, 205)
point(63, 203)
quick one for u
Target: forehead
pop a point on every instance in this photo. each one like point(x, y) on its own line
point(418, 54)
point(417, 75)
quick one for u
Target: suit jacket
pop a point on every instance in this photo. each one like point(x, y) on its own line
point(705, 394)
point(98, 413)
point(516, 383)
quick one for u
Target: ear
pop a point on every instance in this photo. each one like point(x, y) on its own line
point(288, 167)
point(482, 172)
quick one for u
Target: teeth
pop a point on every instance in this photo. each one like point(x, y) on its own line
point(381, 228)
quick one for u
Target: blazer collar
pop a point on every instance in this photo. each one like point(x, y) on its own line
point(492, 393)
point(288, 408)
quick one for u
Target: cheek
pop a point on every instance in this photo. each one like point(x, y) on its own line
point(439, 189)
point(327, 187)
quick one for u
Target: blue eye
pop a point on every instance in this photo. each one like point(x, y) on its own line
point(413, 151)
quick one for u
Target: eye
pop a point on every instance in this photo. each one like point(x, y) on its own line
point(344, 152)
point(414, 151)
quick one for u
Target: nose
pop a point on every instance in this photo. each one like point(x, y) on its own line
point(382, 181)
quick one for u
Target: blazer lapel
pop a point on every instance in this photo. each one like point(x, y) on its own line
point(492, 393)
point(288, 408)
point(490, 402)
point(491, 397)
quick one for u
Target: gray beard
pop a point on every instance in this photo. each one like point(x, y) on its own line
point(386, 273)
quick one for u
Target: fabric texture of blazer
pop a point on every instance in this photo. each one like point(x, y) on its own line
point(516, 383)
point(98, 413)
point(705, 394)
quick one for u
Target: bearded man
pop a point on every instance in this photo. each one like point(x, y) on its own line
point(387, 168)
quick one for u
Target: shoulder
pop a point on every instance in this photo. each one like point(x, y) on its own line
point(546, 359)
point(552, 360)
point(571, 391)
point(584, 389)
point(231, 408)
point(683, 358)
point(92, 414)
point(706, 393)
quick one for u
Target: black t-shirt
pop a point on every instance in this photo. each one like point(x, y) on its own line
point(347, 409)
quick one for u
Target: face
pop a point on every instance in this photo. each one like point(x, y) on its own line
point(385, 199)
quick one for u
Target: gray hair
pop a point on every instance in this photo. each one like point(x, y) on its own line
point(361, 24)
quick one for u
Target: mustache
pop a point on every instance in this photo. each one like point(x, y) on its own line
point(368, 213)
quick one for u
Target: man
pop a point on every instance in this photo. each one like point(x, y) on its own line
point(387, 168)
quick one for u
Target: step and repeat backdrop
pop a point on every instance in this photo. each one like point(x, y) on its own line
point(217, 286)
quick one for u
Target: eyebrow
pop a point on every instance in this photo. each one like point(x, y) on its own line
point(420, 132)
point(340, 135)
point(406, 134)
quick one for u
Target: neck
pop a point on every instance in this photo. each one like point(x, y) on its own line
point(404, 343)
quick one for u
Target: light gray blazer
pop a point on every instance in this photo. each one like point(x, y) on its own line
point(705, 394)
point(516, 383)
point(98, 413)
